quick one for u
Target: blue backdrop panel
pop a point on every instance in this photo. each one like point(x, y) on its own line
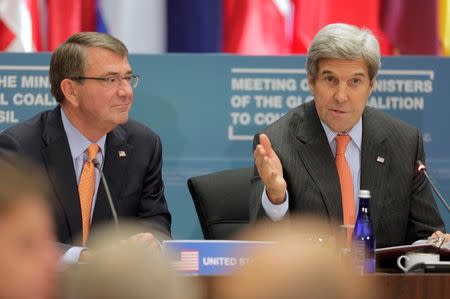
point(206, 109)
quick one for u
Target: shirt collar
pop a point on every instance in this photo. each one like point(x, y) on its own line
point(355, 133)
point(78, 143)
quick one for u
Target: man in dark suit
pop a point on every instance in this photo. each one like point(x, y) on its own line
point(93, 82)
point(295, 156)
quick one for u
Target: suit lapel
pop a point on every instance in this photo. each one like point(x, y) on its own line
point(117, 151)
point(315, 152)
point(59, 164)
point(375, 160)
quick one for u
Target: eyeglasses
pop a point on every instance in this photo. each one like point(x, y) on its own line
point(113, 81)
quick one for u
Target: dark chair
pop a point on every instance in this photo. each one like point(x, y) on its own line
point(222, 201)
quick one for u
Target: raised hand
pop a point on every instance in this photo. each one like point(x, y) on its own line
point(270, 170)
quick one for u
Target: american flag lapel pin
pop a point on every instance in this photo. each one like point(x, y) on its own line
point(122, 154)
point(380, 160)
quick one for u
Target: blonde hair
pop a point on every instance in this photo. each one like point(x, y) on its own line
point(20, 178)
point(303, 263)
point(120, 269)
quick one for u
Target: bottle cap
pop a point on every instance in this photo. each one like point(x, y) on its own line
point(364, 194)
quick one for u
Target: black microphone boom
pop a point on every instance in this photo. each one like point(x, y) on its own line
point(108, 195)
point(422, 168)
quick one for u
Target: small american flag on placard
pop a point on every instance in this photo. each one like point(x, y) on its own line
point(189, 261)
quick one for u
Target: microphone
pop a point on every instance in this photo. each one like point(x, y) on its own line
point(422, 168)
point(108, 195)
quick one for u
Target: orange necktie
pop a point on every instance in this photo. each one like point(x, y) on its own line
point(345, 178)
point(86, 189)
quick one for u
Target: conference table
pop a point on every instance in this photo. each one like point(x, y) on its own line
point(388, 281)
point(412, 285)
point(388, 285)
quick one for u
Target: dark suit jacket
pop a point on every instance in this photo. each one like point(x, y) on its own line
point(135, 181)
point(402, 207)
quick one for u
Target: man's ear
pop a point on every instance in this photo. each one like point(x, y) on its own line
point(372, 84)
point(311, 83)
point(70, 90)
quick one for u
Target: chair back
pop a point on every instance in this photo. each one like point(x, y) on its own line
point(221, 200)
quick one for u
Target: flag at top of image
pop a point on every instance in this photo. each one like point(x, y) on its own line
point(19, 26)
point(140, 24)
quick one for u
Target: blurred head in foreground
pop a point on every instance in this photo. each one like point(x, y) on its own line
point(125, 270)
point(28, 252)
point(304, 264)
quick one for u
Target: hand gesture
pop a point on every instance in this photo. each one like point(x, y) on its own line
point(270, 170)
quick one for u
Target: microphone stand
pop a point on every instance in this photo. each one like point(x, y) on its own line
point(108, 195)
point(422, 168)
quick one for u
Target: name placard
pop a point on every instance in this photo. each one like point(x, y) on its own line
point(205, 257)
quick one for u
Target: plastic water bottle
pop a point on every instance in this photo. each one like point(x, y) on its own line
point(363, 243)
